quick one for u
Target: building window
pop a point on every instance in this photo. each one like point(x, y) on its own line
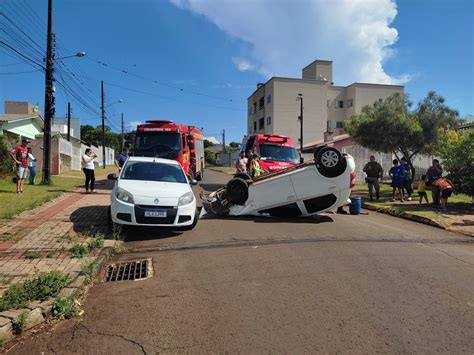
point(254, 108)
point(261, 103)
point(340, 104)
point(350, 103)
point(339, 124)
point(261, 123)
point(269, 120)
point(269, 99)
point(380, 101)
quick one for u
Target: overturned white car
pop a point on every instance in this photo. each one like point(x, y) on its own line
point(309, 188)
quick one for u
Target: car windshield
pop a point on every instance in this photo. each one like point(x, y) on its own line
point(279, 153)
point(157, 144)
point(152, 171)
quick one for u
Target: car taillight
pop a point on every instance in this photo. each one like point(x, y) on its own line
point(353, 180)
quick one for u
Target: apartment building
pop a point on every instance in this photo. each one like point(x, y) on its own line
point(273, 108)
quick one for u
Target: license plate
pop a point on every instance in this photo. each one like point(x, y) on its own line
point(161, 214)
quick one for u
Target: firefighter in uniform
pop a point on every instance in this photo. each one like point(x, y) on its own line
point(374, 172)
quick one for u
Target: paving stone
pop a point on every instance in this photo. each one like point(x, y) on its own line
point(12, 314)
point(47, 307)
point(4, 321)
point(67, 292)
point(78, 282)
point(6, 331)
point(35, 317)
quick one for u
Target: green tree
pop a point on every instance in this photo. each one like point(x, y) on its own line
point(457, 151)
point(209, 156)
point(207, 143)
point(391, 127)
point(234, 145)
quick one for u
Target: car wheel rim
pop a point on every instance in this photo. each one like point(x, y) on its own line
point(329, 159)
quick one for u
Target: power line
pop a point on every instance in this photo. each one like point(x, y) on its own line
point(22, 72)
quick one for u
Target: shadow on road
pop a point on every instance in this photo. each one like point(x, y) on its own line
point(136, 234)
point(212, 187)
point(90, 219)
point(272, 220)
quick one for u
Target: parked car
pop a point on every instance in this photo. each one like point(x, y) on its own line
point(152, 192)
point(305, 189)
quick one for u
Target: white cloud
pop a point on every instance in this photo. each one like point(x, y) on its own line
point(212, 140)
point(285, 36)
point(132, 125)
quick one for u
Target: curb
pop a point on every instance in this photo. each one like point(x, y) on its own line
point(404, 215)
point(39, 311)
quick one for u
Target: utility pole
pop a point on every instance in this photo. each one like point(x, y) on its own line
point(68, 121)
point(300, 96)
point(48, 98)
point(123, 137)
point(103, 122)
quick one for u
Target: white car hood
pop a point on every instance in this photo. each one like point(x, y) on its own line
point(145, 192)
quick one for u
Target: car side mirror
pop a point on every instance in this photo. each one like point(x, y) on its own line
point(193, 182)
point(112, 176)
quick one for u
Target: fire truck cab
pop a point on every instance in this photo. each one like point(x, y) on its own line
point(276, 151)
point(165, 139)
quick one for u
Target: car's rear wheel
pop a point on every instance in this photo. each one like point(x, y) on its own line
point(237, 191)
point(330, 162)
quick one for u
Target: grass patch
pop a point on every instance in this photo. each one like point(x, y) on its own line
point(79, 250)
point(32, 255)
point(47, 284)
point(19, 324)
point(119, 248)
point(33, 196)
point(223, 169)
point(82, 250)
point(87, 270)
point(65, 308)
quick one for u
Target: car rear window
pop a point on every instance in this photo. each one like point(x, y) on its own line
point(153, 171)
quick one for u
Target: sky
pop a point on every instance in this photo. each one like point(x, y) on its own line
point(197, 61)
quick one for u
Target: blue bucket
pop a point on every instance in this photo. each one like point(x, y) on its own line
point(356, 205)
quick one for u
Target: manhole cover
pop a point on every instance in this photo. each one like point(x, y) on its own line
point(129, 271)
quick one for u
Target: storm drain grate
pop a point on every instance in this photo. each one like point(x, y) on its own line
point(129, 271)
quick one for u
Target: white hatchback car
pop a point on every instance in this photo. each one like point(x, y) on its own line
point(152, 192)
point(313, 187)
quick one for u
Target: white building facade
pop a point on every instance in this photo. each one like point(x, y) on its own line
point(274, 109)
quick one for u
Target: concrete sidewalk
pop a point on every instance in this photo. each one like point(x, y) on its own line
point(40, 240)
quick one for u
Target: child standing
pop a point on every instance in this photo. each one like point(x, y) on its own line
point(422, 189)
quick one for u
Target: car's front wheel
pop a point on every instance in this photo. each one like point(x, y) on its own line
point(330, 162)
point(196, 217)
point(113, 227)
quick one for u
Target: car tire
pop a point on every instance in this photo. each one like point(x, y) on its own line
point(330, 162)
point(190, 175)
point(237, 191)
point(112, 226)
point(243, 176)
point(200, 176)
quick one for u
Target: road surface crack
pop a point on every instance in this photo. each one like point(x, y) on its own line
point(450, 255)
point(116, 336)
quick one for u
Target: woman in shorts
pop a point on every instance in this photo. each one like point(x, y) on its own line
point(396, 173)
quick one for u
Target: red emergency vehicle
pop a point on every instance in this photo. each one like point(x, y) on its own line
point(276, 151)
point(165, 139)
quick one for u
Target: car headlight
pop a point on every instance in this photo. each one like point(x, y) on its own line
point(124, 195)
point(186, 199)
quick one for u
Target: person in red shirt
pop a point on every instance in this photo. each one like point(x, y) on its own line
point(445, 188)
point(20, 156)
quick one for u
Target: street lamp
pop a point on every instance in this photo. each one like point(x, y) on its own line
point(78, 54)
point(300, 97)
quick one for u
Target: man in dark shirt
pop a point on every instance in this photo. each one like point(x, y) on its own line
point(434, 172)
point(121, 159)
point(374, 172)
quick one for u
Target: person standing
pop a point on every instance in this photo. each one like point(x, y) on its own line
point(256, 168)
point(434, 172)
point(445, 189)
point(422, 189)
point(249, 156)
point(121, 159)
point(20, 156)
point(88, 169)
point(31, 166)
point(397, 180)
point(374, 172)
point(406, 178)
point(241, 164)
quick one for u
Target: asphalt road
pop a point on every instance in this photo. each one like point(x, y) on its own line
point(335, 283)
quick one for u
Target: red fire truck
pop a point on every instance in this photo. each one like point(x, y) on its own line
point(165, 139)
point(276, 151)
